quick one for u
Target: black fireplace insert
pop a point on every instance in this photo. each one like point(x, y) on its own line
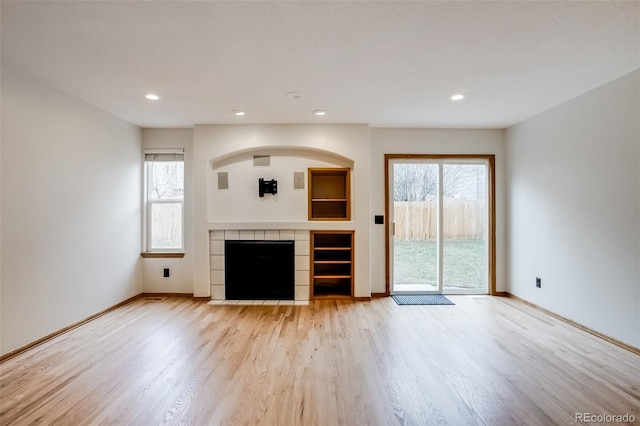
point(259, 270)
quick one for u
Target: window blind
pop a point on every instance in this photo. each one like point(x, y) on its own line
point(164, 157)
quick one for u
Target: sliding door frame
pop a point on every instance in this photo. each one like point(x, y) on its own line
point(491, 160)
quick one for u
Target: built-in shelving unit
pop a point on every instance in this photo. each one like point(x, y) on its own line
point(329, 194)
point(331, 264)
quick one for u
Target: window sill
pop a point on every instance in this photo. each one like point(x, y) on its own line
point(147, 254)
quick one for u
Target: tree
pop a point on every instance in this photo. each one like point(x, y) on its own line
point(415, 182)
point(419, 181)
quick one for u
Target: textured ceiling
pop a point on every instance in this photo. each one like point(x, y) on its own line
point(384, 63)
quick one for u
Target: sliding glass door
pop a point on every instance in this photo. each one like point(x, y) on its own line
point(439, 233)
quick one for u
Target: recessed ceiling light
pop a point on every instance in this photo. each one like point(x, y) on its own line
point(152, 97)
point(319, 112)
point(294, 95)
point(237, 112)
point(457, 97)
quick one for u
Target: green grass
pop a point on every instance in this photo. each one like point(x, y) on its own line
point(465, 262)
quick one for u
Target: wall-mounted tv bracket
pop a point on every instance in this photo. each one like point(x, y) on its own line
point(267, 187)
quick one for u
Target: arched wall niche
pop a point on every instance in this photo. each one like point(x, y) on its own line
point(237, 200)
point(309, 153)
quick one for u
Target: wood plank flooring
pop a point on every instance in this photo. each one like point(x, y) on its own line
point(484, 361)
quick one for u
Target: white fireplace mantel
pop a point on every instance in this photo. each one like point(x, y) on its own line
point(302, 225)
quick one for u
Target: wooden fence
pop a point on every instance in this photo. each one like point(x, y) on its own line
point(417, 220)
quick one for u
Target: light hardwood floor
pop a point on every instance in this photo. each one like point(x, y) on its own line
point(486, 360)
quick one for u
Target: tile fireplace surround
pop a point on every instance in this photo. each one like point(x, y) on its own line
point(301, 251)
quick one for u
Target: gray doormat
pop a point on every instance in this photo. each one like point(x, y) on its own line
point(421, 299)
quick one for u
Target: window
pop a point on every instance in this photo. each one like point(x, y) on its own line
point(441, 211)
point(164, 207)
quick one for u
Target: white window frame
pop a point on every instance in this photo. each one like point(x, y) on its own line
point(148, 203)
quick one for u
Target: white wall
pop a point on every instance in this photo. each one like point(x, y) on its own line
point(70, 210)
point(213, 144)
point(181, 269)
point(574, 195)
point(433, 141)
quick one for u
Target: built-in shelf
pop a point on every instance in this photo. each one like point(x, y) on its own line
point(331, 264)
point(329, 194)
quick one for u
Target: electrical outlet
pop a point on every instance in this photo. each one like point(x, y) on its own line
point(538, 282)
point(166, 272)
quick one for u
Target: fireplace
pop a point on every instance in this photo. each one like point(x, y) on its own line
point(217, 244)
point(259, 270)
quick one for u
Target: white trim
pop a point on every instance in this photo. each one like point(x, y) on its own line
point(165, 200)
